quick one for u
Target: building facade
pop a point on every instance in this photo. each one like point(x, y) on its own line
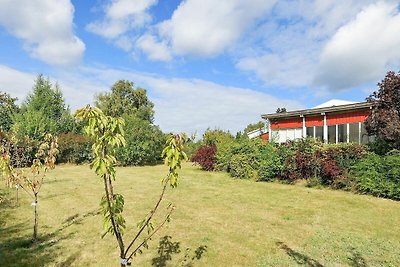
point(332, 122)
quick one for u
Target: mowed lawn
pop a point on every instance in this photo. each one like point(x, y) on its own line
point(241, 223)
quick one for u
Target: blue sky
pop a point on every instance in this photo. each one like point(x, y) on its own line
point(205, 63)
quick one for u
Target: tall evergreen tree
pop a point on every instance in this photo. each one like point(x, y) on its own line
point(43, 111)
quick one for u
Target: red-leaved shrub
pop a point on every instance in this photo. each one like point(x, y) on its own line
point(205, 157)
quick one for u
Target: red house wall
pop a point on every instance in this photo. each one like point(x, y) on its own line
point(349, 117)
point(331, 119)
point(315, 121)
point(287, 123)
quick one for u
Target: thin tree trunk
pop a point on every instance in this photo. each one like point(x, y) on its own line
point(35, 226)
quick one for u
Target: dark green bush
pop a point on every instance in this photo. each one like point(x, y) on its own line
point(379, 175)
point(74, 148)
point(246, 159)
point(144, 143)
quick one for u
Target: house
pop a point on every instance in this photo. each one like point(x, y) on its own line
point(332, 122)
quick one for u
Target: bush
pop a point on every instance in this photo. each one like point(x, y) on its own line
point(74, 148)
point(379, 175)
point(144, 143)
point(243, 167)
point(246, 159)
point(22, 150)
point(205, 157)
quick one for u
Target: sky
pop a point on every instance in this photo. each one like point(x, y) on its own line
point(205, 63)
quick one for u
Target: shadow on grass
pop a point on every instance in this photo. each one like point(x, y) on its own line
point(300, 258)
point(168, 248)
point(18, 249)
point(356, 260)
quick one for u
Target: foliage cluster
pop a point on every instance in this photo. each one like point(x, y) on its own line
point(74, 148)
point(205, 157)
point(44, 111)
point(384, 121)
point(144, 140)
point(379, 175)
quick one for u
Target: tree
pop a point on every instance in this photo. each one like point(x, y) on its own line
point(31, 181)
point(280, 110)
point(144, 140)
point(125, 99)
point(384, 121)
point(43, 111)
point(254, 126)
point(107, 133)
point(7, 109)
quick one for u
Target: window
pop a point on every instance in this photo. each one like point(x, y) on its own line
point(282, 136)
point(332, 134)
point(365, 138)
point(342, 133)
point(290, 134)
point(319, 132)
point(354, 133)
point(310, 131)
point(298, 133)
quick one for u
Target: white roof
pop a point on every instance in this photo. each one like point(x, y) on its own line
point(334, 102)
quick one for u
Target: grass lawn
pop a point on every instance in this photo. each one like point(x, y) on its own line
point(241, 223)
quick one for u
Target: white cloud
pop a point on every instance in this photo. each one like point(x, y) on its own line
point(46, 27)
point(154, 49)
point(15, 82)
point(207, 27)
point(362, 50)
point(181, 104)
point(285, 50)
point(122, 16)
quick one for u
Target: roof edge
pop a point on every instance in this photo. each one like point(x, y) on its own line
point(316, 111)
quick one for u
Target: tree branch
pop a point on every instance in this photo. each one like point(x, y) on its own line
point(150, 236)
point(152, 212)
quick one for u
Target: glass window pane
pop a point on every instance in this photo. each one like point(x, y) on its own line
point(364, 135)
point(282, 136)
point(332, 134)
point(298, 133)
point(342, 133)
point(354, 132)
point(290, 134)
point(319, 133)
point(310, 131)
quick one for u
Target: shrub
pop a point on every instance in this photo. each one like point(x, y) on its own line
point(74, 148)
point(379, 175)
point(205, 157)
point(301, 161)
point(144, 142)
point(22, 150)
point(272, 161)
point(247, 158)
point(243, 167)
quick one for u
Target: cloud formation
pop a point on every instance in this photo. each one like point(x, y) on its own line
point(188, 105)
point(207, 27)
point(122, 16)
point(363, 49)
point(46, 28)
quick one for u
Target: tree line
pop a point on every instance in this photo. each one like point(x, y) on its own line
point(44, 111)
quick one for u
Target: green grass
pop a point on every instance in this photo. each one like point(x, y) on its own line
point(242, 223)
